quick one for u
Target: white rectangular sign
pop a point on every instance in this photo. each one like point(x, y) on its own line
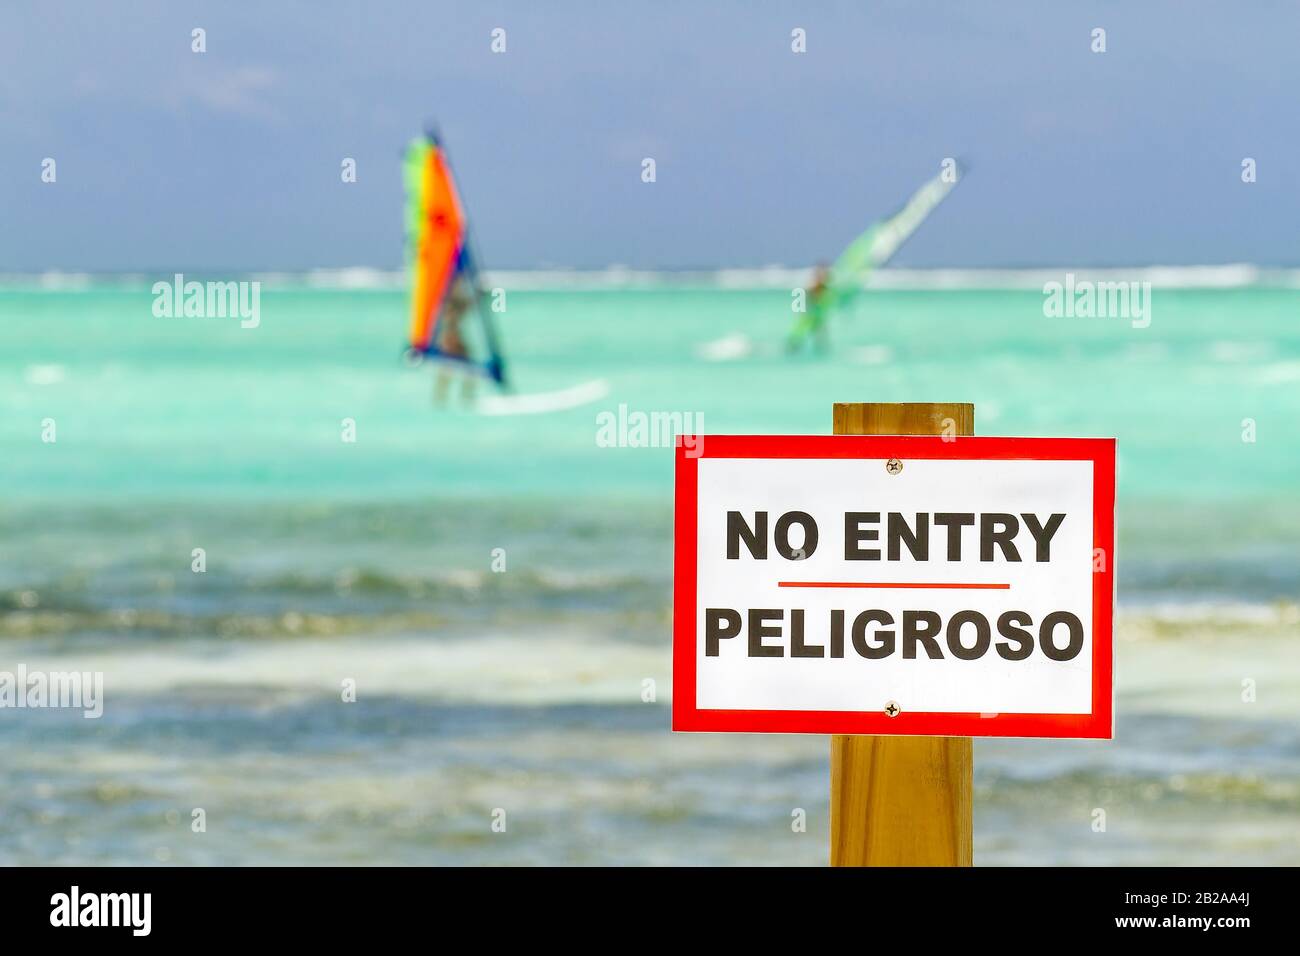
point(894, 585)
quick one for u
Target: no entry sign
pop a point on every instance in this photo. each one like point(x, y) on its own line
point(894, 585)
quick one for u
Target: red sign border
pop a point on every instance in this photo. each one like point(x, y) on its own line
point(687, 717)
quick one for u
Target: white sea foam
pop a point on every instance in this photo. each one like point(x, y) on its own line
point(1229, 276)
point(872, 354)
point(357, 277)
point(1280, 613)
point(49, 281)
point(786, 277)
point(728, 348)
point(540, 670)
point(1278, 373)
point(43, 374)
point(551, 667)
point(1228, 351)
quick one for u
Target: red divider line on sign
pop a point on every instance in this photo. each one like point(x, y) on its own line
point(889, 584)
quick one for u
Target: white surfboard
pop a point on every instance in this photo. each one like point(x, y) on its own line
point(539, 403)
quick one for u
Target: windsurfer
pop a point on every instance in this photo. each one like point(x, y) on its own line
point(451, 342)
point(834, 287)
point(812, 321)
point(450, 323)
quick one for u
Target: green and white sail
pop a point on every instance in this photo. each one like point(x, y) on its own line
point(877, 245)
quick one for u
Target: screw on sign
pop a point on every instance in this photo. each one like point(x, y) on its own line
point(812, 584)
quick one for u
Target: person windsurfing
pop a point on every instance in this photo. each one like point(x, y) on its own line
point(452, 345)
point(812, 321)
point(834, 288)
point(450, 322)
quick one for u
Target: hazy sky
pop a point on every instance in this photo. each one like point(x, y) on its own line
point(230, 159)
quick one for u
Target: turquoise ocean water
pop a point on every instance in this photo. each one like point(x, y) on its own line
point(371, 561)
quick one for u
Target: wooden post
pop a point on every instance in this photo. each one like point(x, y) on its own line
point(901, 801)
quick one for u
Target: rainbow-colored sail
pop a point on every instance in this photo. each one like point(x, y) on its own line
point(449, 318)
